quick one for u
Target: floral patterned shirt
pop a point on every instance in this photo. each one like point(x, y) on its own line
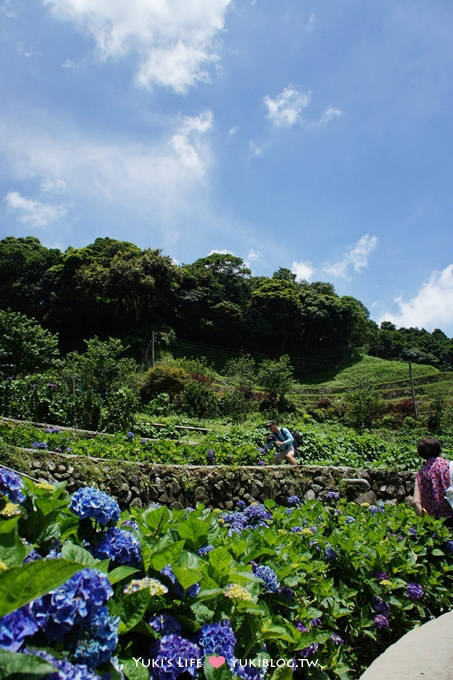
point(433, 480)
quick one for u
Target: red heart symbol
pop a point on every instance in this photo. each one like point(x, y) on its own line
point(216, 661)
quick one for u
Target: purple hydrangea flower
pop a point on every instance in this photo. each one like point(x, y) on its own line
point(414, 591)
point(380, 621)
point(306, 652)
point(40, 445)
point(120, 546)
point(412, 531)
point(218, 639)
point(65, 669)
point(337, 639)
point(130, 435)
point(332, 495)
point(91, 502)
point(349, 519)
point(11, 485)
point(302, 627)
point(315, 622)
point(175, 656)
point(211, 456)
point(380, 575)
point(165, 624)
point(380, 606)
point(241, 505)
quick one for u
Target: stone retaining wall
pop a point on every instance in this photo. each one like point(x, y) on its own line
point(181, 486)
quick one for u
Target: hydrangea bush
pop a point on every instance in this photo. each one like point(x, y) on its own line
point(88, 592)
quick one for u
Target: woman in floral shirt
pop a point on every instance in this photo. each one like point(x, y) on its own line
point(432, 482)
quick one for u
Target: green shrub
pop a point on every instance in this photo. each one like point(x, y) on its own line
point(199, 401)
point(237, 405)
point(166, 379)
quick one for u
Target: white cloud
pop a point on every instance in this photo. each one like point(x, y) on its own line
point(221, 251)
point(158, 177)
point(232, 131)
point(329, 114)
point(356, 257)
point(310, 23)
point(32, 212)
point(175, 41)
point(303, 270)
point(286, 109)
point(255, 256)
point(53, 185)
point(255, 150)
point(431, 307)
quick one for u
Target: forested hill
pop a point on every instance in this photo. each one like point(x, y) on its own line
point(113, 288)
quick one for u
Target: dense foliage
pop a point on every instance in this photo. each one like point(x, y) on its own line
point(321, 445)
point(113, 288)
point(95, 593)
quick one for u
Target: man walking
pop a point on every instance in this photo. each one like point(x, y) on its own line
point(283, 441)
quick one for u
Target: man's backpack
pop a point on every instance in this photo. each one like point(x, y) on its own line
point(297, 438)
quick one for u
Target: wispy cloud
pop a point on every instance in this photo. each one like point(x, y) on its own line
point(160, 176)
point(285, 110)
point(33, 212)
point(303, 270)
point(431, 307)
point(288, 108)
point(311, 22)
point(255, 150)
point(355, 258)
point(175, 42)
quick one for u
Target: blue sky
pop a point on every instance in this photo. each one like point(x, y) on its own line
point(310, 134)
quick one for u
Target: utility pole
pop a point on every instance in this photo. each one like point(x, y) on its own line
point(411, 379)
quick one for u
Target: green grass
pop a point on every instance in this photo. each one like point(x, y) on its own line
point(377, 372)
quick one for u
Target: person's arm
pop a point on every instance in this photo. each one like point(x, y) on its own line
point(289, 441)
point(419, 509)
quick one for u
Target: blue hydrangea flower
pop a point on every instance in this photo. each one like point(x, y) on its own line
point(330, 554)
point(247, 671)
point(65, 669)
point(130, 523)
point(218, 639)
point(268, 576)
point(130, 435)
point(449, 546)
point(32, 556)
point(91, 502)
point(293, 500)
point(241, 504)
point(99, 640)
point(11, 485)
point(289, 511)
point(349, 519)
point(380, 621)
point(177, 587)
point(175, 656)
point(40, 445)
point(73, 603)
point(287, 592)
point(16, 627)
point(414, 591)
point(380, 606)
point(120, 546)
point(412, 531)
point(205, 550)
point(165, 624)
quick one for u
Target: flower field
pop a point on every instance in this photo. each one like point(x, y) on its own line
point(308, 590)
point(244, 445)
